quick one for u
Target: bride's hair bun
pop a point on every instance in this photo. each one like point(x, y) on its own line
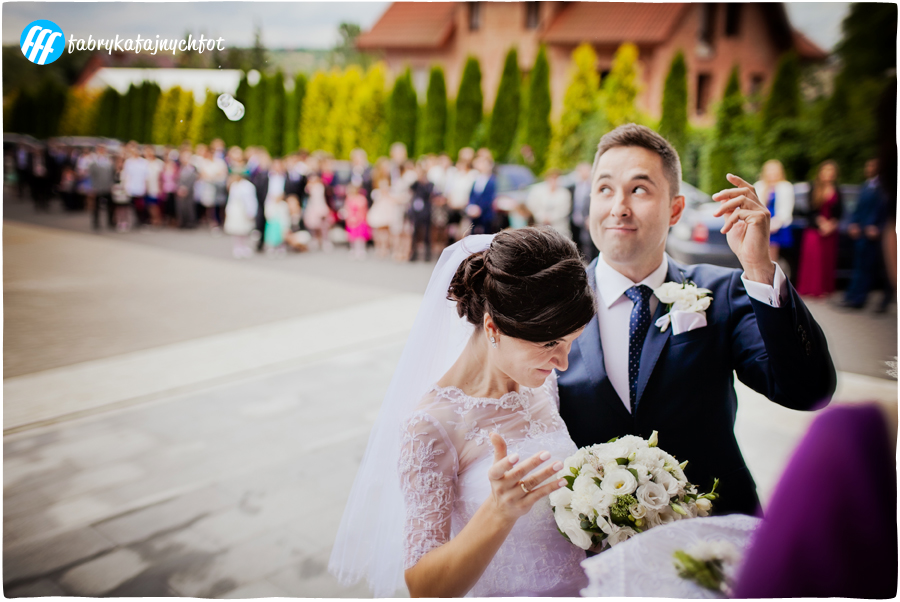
point(467, 288)
point(531, 281)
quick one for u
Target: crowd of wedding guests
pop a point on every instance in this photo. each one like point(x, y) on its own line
point(404, 209)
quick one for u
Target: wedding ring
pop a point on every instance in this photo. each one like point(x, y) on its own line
point(525, 489)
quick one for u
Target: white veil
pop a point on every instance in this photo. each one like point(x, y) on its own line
point(370, 538)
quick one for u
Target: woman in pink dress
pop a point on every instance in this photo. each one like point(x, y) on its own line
point(818, 255)
point(358, 231)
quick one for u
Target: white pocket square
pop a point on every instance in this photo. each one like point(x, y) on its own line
point(682, 321)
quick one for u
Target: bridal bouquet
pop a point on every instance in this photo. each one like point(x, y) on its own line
point(621, 488)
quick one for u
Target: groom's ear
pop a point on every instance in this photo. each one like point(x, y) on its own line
point(676, 208)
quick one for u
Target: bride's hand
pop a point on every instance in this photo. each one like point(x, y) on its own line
point(507, 476)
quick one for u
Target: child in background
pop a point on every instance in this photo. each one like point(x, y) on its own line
point(278, 224)
point(358, 231)
point(240, 214)
point(317, 214)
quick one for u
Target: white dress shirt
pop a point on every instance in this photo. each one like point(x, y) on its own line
point(614, 314)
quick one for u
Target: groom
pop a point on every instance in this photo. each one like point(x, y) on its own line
point(628, 376)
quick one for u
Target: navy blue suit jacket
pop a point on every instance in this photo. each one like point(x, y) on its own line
point(686, 382)
point(485, 200)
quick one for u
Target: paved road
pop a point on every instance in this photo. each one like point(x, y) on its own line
point(186, 424)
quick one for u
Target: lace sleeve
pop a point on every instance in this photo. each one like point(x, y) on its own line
point(428, 471)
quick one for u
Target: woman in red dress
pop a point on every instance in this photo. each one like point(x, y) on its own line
point(818, 254)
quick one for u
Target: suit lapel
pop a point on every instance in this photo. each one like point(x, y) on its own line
point(656, 341)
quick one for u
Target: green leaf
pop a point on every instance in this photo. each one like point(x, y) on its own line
point(634, 472)
point(613, 440)
point(621, 461)
point(570, 481)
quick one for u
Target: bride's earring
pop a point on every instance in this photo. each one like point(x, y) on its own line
point(493, 342)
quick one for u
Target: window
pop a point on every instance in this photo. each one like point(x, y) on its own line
point(474, 16)
point(756, 89)
point(756, 84)
point(704, 83)
point(532, 15)
point(733, 19)
point(707, 23)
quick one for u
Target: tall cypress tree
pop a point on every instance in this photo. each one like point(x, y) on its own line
point(537, 127)
point(254, 109)
point(784, 98)
point(274, 116)
point(235, 129)
point(505, 114)
point(292, 138)
point(435, 114)
point(674, 122)
point(106, 113)
point(123, 116)
point(469, 105)
point(723, 156)
point(570, 140)
point(404, 108)
point(151, 98)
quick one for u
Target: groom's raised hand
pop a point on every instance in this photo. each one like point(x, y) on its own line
point(747, 229)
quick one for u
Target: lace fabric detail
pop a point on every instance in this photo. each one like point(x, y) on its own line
point(427, 468)
point(445, 456)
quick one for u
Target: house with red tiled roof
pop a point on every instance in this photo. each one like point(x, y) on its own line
point(713, 36)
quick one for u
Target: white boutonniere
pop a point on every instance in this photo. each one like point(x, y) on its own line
point(686, 306)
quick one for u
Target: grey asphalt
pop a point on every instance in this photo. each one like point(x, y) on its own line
point(234, 489)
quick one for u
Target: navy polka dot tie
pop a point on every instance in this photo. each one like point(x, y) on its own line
point(637, 330)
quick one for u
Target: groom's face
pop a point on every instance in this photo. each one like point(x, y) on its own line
point(632, 208)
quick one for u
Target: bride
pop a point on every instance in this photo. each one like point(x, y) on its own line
point(452, 492)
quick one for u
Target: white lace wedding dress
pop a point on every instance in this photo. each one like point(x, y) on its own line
point(445, 455)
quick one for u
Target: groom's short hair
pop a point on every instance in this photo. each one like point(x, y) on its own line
point(632, 134)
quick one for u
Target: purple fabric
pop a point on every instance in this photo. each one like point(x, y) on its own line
point(831, 527)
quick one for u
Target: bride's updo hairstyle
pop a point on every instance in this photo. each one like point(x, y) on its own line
point(531, 282)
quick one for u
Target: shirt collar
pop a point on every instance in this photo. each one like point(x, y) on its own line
point(612, 285)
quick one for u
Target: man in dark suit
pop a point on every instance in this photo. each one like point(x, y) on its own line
point(865, 229)
point(481, 199)
point(627, 375)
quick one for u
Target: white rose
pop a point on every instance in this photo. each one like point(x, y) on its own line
point(651, 519)
point(668, 292)
point(561, 498)
point(620, 535)
point(619, 482)
point(642, 471)
point(653, 496)
point(570, 524)
point(704, 506)
point(638, 510)
point(666, 515)
point(586, 496)
point(651, 457)
point(670, 483)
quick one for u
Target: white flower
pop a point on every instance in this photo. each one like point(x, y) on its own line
point(715, 550)
point(704, 506)
point(586, 496)
point(666, 515)
point(570, 524)
point(642, 471)
point(670, 483)
point(651, 457)
point(561, 498)
point(682, 297)
point(620, 535)
point(654, 439)
point(619, 482)
point(653, 496)
point(638, 510)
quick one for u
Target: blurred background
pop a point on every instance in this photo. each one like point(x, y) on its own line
point(202, 314)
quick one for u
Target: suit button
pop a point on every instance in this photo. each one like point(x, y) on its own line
point(808, 347)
